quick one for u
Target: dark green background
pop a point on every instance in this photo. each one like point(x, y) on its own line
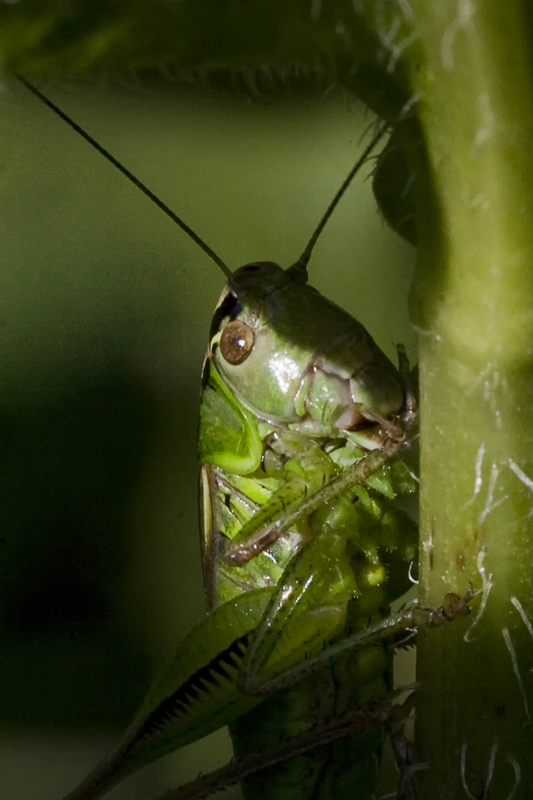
point(104, 314)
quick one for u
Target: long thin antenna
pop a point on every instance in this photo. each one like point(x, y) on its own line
point(131, 177)
point(299, 269)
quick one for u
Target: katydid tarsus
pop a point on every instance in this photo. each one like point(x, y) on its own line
point(302, 423)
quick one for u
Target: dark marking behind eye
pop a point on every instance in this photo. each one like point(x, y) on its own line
point(229, 307)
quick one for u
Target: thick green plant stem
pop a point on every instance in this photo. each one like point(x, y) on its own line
point(473, 307)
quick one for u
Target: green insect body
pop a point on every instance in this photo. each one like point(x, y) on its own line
point(281, 594)
point(292, 388)
point(304, 548)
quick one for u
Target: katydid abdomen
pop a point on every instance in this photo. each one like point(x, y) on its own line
point(293, 387)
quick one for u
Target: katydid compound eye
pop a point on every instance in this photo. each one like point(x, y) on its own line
point(236, 342)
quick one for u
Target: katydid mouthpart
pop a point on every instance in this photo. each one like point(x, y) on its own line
point(302, 423)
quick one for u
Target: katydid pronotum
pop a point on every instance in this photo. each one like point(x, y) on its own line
point(302, 422)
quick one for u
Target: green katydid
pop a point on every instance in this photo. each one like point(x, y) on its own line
point(302, 420)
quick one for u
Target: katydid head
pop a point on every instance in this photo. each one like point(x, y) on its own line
point(293, 357)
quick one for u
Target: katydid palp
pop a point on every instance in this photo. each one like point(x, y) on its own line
point(297, 551)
